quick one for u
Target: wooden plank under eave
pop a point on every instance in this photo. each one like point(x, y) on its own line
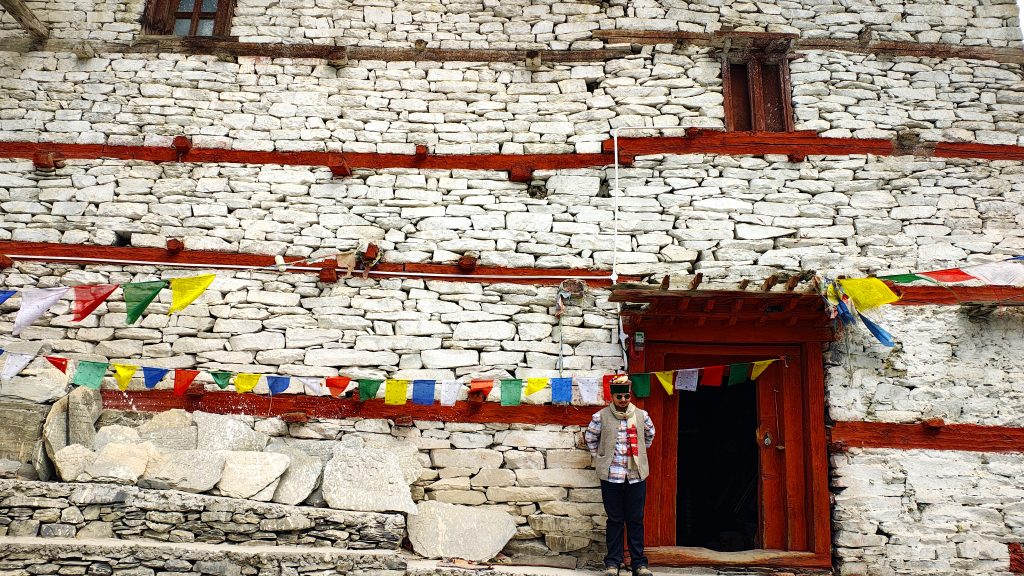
point(26, 18)
point(965, 437)
point(687, 556)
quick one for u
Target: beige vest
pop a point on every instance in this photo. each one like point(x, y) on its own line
point(609, 435)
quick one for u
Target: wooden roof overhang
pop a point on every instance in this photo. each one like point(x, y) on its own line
point(704, 315)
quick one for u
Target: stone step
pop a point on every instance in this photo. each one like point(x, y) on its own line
point(130, 513)
point(109, 557)
point(420, 567)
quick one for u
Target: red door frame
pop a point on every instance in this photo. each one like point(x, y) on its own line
point(796, 527)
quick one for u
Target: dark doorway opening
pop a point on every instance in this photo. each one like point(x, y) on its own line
point(717, 474)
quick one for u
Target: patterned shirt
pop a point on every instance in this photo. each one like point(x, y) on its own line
point(619, 471)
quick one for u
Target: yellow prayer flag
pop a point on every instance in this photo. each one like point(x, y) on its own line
point(185, 290)
point(868, 293)
point(246, 382)
point(534, 385)
point(396, 392)
point(759, 367)
point(123, 374)
point(665, 378)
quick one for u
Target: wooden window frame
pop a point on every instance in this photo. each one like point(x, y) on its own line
point(755, 81)
point(159, 16)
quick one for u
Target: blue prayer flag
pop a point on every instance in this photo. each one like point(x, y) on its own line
point(423, 392)
point(5, 294)
point(561, 390)
point(153, 376)
point(277, 384)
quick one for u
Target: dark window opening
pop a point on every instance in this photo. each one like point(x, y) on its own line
point(717, 504)
point(189, 18)
point(757, 96)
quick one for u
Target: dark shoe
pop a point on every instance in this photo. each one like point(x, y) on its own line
point(643, 571)
point(610, 571)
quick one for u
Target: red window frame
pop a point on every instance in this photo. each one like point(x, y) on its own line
point(758, 94)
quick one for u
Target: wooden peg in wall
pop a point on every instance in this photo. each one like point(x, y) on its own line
point(174, 245)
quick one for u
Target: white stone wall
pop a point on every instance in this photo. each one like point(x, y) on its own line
point(545, 23)
point(926, 512)
point(728, 217)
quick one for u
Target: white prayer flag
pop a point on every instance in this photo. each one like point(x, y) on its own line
point(591, 390)
point(1007, 273)
point(34, 302)
point(312, 386)
point(449, 392)
point(687, 380)
point(15, 364)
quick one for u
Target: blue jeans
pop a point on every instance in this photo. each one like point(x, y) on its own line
point(624, 505)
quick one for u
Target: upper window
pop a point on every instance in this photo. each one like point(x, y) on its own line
point(188, 18)
point(757, 95)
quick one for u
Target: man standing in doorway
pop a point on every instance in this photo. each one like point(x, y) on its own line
point(620, 456)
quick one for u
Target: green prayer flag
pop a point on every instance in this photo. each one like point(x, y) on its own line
point(138, 296)
point(89, 374)
point(641, 385)
point(368, 389)
point(511, 392)
point(905, 278)
point(222, 378)
point(738, 374)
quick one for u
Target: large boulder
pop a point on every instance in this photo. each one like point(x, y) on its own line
point(301, 478)
point(114, 435)
point(219, 432)
point(442, 530)
point(120, 463)
point(366, 479)
point(84, 407)
point(72, 460)
point(55, 427)
point(186, 470)
point(407, 453)
point(248, 474)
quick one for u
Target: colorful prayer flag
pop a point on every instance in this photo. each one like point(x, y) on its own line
point(153, 376)
point(590, 390)
point(449, 392)
point(123, 374)
point(88, 297)
point(868, 293)
point(1005, 273)
point(368, 389)
point(14, 364)
point(337, 385)
point(312, 386)
point(482, 387)
point(396, 392)
point(665, 379)
point(606, 384)
point(221, 378)
point(278, 384)
point(35, 302)
point(58, 363)
point(138, 296)
point(185, 290)
point(687, 379)
point(423, 392)
point(641, 384)
point(246, 382)
point(183, 379)
point(948, 275)
point(881, 334)
point(534, 385)
point(89, 374)
point(561, 390)
point(738, 374)
point(5, 294)
point(511, 392)
point(712, 376)
point(759, 367)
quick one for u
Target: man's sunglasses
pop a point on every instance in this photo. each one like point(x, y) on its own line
point(621, 396)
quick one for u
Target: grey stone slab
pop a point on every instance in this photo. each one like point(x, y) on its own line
point(368, 479)
point(442, 530)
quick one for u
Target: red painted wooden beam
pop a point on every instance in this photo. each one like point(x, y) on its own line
point(956, 295)
point(1016, 557)
point(794, 144)
point(927, 436)
point(76, 253)
point(327, 407)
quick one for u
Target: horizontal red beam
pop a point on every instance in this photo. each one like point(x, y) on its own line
point(1016, 557)
point(927, 436)
point(327, 407)
point(956, 295)
point(77, 253)
point(796, 145)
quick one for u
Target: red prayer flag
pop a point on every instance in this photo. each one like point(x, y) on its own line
point(60, 363)
point(606, 382)
point(88, 297)
point(182, 380)
point(949, 275)
point(712, 376)
point(481, 386)
point(337, 385)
